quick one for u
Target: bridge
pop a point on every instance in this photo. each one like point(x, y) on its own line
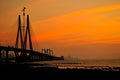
point(20, 50)
point(30, 54)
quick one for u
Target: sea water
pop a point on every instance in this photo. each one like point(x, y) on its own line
point(111, 64)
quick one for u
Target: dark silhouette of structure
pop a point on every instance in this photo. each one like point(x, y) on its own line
point(23, 34)
point(22, 53)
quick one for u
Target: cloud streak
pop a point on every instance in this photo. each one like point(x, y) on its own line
point(93, 24)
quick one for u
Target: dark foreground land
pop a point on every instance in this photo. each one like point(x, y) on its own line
point(24, 72)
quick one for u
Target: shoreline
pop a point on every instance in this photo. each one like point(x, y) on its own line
point(43, 65)
point(54, 73)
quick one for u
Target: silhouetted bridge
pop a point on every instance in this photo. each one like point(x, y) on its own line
point(23, 38)
point(30, 55)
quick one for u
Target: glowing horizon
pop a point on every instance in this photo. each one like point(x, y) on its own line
point(67, 27)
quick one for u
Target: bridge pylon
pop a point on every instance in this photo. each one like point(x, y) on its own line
point(23, 35)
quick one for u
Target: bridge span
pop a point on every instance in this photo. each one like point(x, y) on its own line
point(30, 55)
point(23, 38)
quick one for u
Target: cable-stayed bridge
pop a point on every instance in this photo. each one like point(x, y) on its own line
point(23, 40)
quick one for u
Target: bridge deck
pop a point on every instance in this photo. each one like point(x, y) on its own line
point(40, 56)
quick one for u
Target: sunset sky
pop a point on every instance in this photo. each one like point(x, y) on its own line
point(84, 29)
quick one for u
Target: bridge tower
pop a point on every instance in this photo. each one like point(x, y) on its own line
point(23, 35)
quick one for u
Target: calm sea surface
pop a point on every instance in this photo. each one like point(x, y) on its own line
point(83, 64)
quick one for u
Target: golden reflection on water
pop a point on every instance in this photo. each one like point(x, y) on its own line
point(80, 64)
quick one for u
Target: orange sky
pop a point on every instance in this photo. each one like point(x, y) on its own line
point(87, 29)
